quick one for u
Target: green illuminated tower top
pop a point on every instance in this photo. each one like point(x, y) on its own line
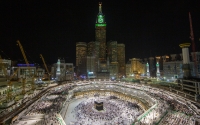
point(100, 17)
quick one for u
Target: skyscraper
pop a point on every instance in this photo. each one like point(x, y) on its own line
point(100, 33)
point(112, 51)
point(81, 56)
point(102, 60)
point(121, 59)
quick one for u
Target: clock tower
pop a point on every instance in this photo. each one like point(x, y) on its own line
point(100, 33)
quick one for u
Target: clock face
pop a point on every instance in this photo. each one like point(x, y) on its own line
point(100, 20)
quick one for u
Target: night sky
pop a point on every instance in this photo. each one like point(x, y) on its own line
point(52, 28)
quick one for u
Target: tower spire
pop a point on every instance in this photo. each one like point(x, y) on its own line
point(100, 7)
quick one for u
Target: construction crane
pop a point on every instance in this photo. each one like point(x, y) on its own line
point(193, 45)
point(9, 93)
point(31, 75)
point(45, 67)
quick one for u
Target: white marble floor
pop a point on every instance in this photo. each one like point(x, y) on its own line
point(69, 116)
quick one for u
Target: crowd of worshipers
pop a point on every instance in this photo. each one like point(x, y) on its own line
point(165, 102)
point(176, 118)
point(174, 103)
point(171, 100)
point(115, 112)
point(182, 115)
point(179, 113)
point(49, 106)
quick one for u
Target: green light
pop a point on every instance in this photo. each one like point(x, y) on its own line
point(157, 64)
point(100, 19)
point(103, 24)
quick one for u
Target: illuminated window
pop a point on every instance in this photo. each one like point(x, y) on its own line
point(198, 68)
point(198, 58)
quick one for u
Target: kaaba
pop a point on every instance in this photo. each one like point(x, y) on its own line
point(98, 105)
